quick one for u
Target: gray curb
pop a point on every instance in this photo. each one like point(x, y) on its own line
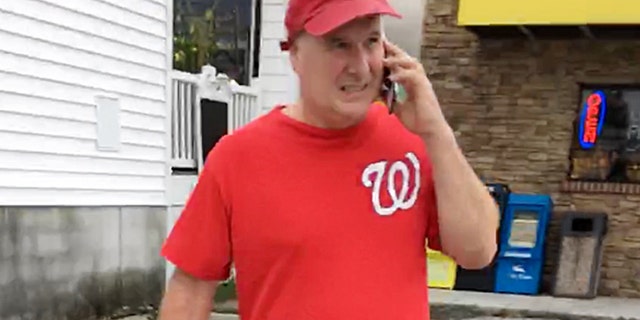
point(459, 312)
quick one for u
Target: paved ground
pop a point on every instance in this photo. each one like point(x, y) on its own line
point(224, 317)
point(499, 318)
point(231, 317)
point(465, 305)
point(604, 307)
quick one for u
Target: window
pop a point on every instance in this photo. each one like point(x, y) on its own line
point(222, 33)
point(606, 140)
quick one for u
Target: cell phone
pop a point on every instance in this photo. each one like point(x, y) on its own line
point(388, 90)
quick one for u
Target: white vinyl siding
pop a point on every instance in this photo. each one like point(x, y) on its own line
point(57, 56)
point(276, 82)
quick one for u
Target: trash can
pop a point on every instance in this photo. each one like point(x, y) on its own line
point(580, 256)
point(521, 256)
point(484, 280)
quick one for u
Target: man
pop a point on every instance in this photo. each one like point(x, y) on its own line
point(324, 205)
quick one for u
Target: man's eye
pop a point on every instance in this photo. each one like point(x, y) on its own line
point(374, 40)
point(341, 45)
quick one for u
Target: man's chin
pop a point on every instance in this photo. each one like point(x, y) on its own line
point(354, 108)
point(353, 112)
point(352, 103)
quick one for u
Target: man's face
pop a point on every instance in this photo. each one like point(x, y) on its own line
point(340, 73)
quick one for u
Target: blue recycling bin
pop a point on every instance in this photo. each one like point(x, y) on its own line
point(522, 237)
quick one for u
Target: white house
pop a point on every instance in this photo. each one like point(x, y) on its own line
point(83, 155)
point(93, 124)
point(99, 140)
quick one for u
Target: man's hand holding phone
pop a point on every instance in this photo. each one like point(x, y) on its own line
point(419, 111)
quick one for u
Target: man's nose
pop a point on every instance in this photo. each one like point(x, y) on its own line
point(359, 61)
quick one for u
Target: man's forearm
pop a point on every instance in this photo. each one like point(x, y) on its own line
point(187, 299)
point(468, 215)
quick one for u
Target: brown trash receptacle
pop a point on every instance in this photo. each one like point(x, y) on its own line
point(580, 258)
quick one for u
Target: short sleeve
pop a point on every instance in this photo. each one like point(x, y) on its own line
point(433, 227)
point(199, 242)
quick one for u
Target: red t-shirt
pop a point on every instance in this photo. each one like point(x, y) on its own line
point(313, 224)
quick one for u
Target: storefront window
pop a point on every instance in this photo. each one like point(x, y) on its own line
point(219, 33)
point(606, 141)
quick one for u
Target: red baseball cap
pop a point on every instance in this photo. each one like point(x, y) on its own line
point(319, 17)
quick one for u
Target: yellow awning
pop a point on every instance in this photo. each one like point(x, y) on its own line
point(547, 12)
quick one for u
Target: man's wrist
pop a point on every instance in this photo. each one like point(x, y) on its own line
point(439, 136)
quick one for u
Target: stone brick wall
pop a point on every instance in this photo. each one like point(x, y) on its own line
point(512, 104)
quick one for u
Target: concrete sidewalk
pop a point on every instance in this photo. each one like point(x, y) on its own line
point(454, 305)
point(535, 306)
point(448, 304)
point(222, 316)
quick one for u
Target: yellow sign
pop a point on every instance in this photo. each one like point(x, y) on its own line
point(441, 270)
point(547, 12)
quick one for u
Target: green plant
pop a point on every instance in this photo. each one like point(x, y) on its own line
point(194, 41)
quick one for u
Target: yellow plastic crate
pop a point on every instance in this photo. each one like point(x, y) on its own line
point(441, 270)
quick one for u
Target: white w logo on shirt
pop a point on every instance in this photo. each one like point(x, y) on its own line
point(402, 200)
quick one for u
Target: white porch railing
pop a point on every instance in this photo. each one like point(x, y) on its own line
point(183, 121)
point(244, 105)
point(187, 91)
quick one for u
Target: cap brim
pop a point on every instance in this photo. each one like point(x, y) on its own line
point(335, 15)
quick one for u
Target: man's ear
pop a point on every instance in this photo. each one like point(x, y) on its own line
point(294, 58)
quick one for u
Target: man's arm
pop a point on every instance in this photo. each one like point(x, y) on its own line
point(199, 244)
point(467, 214)
point(187, 298)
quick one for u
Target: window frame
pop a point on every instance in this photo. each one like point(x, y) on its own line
point(594, 186)
point(250, 63)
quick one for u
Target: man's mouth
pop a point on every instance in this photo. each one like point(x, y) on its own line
point(353, 88)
